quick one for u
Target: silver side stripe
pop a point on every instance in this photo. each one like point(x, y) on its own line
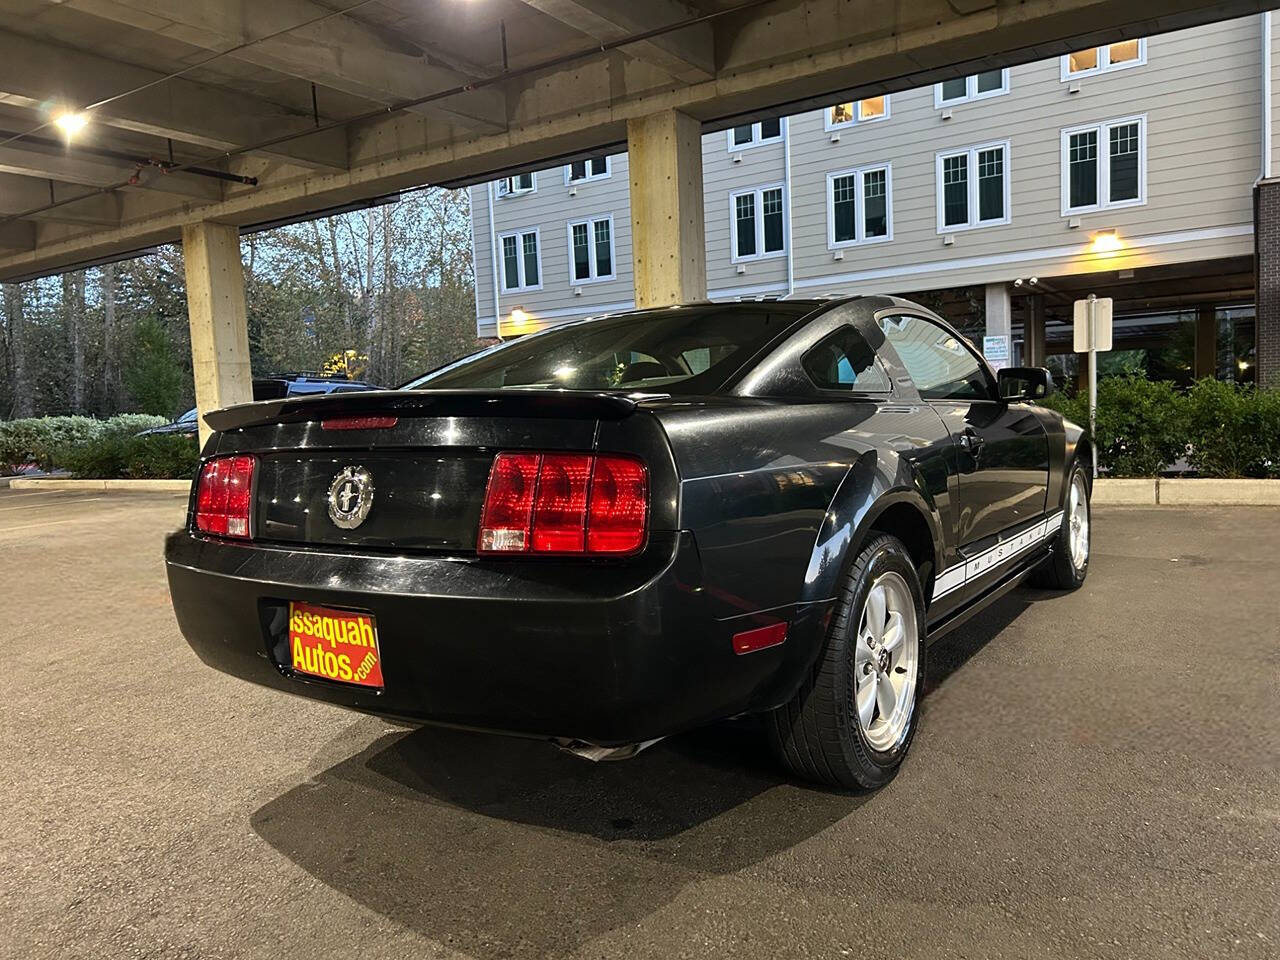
point(953, 578)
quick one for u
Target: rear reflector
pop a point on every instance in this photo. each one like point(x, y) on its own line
point(224, 495)
point(749, 641)
point(359, 423)
point(565, 503)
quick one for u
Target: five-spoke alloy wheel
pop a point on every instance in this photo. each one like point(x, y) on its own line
point(885, 663)
point(851, 723)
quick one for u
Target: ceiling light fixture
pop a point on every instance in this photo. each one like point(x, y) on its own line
point(71, 123)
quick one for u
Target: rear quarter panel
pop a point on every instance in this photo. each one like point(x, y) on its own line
point(779, 494)
point(758, 478)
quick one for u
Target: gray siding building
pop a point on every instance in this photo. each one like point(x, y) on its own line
point(1127, 171)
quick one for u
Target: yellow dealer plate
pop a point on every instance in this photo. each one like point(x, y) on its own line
point(339, 645)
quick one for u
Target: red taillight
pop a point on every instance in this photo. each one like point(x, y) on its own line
point(508, 503)
point(560, 506)
point(224, 495)
point(619, 506)
point(565, 503)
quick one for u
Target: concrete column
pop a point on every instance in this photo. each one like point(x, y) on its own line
point(1034, 353)
point(999, 310)
point(1206, 359)
point(668, 238)
point(1266, 270)
point(216, 312)
point(1000, 315)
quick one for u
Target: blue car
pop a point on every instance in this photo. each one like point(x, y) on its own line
point(272, 388)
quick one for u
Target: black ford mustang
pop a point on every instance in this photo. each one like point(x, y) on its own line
point(621, 528)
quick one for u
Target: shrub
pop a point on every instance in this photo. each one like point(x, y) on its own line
point(1141, 424)
point(165, 456)
point(46, 440)
point(131, 423)
point(1234, 431)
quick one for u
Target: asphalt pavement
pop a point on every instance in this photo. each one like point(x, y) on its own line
point(1097, 775)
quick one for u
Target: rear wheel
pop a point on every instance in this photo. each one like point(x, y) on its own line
point(852, 721)
point(1067, 567)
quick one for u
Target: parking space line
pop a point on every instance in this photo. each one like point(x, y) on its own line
point(87, 518)
point(84, 500)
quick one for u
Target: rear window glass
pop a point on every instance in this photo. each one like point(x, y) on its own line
point(844, 361)
point(684, 350)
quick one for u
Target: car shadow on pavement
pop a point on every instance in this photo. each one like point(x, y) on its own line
point(954, 650)
point(505, 847)
point(510, 847)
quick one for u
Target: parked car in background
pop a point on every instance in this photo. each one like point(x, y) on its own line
point(272, 388)
point(625, 527)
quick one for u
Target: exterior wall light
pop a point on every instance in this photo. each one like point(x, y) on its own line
point(1106, 241)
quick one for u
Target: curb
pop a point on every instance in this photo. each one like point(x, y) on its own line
point(134, 486)
point(1185, 492)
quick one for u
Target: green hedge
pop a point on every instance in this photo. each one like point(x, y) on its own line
point(1223, 429)
point(1233, 431)
point(162, 456)
point(44, 440)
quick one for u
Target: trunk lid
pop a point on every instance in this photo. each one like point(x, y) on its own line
point(428, 469)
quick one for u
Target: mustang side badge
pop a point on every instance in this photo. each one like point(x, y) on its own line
point(350, 497)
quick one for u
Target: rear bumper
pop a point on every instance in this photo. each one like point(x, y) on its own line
point(609, 653)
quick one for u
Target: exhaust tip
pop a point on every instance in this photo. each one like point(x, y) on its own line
point(594, 753)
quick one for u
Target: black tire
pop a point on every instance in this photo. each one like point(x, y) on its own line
point(817, 735)
point(1059, 570)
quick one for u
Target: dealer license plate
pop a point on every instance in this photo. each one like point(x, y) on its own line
point(339, 645)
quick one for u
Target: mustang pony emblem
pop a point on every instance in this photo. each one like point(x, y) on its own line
point(350, 497)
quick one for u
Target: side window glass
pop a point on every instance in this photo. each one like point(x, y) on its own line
point(939, 363)
point(844, 361)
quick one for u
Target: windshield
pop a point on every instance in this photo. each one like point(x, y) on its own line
point(681, 350)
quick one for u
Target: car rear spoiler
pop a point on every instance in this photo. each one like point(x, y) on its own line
point(432, 403)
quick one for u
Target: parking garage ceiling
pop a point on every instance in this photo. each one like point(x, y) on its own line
point(122, 120)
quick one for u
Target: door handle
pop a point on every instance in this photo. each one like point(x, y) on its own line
point(971, 440)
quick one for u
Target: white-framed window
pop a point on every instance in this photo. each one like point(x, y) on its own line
point(841, 115)
point(591, 255)
point(592, 168)
point(973, 187)
point(758, 222)
point(859, 206)
point(1095, 60)
point(520, 183)
point(976, 86)
point(754, 134)
point(1104, 165)
point(521, 252)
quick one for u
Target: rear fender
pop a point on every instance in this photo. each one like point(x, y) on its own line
point(872, 486)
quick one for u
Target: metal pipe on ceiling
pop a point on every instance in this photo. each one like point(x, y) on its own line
point(165, 166)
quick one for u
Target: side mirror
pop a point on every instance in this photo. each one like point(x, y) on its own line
point(1024, 383)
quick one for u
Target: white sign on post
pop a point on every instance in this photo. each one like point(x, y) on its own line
point(1101, 325)
point(996, 350)
point(1093, 333)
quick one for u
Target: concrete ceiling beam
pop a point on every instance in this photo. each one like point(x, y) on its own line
point(337, 52)
point(17, 235)
point(687, 54)
point(18, 193)
point(38, 75)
